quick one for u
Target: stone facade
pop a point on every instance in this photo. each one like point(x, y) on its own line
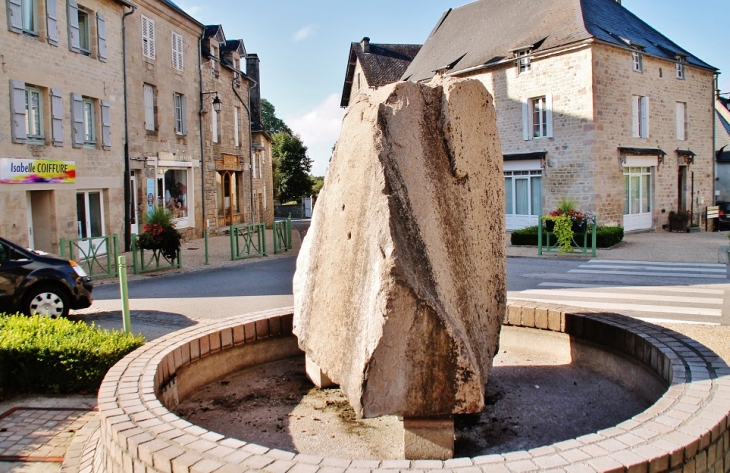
point(591, 87)
point(39, 214)
point(164, 152)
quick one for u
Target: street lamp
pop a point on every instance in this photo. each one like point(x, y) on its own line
point(217, 103)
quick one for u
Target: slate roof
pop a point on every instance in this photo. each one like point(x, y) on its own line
point(488, 31)
point(384, 64)
point(174, 6)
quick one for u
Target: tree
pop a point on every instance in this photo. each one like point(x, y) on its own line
point(271, 123)
point(317, 183)
point(293, 165)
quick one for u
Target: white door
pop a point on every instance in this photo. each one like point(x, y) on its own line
point(637, 198)
point(90, 222)
point(134, 216)
point(523, 198)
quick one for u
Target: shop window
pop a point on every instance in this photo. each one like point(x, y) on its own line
point(523, 192)
point(172, 192)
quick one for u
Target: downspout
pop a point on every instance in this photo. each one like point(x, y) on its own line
point(127, 180)
point(200, 127)
point(715, 97)
point(250, 141)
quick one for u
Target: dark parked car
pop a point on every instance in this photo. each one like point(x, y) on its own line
point(35, 282)
point(723, 223)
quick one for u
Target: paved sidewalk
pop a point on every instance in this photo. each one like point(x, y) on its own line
point(39, 431)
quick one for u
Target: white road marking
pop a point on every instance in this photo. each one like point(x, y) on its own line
point(641, 273)
point(625, 296)
point(623, 307)
point(654, 268)
point(636, 288)
point(658, 263)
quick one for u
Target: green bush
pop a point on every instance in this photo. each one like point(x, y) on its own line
point(42, 355)
point(606, 237)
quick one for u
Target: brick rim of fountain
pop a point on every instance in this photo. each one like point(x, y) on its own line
point(686, 430)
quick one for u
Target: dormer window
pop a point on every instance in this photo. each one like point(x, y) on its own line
point(679, 67)
point(637, 61)
point(524, 60)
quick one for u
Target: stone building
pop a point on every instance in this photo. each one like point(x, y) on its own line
point(372, 65)
point(592, 104)
point(61, 134)
point(237, 185)
point(722, 149)
point(163, 100)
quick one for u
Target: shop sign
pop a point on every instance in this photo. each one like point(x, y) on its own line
point(230, 161)
point(36, 171)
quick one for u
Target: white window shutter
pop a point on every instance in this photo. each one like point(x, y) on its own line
point(17, 109)
point(74, 43)
point(77, 120)
point(52, 22)
point(526, 115)
point(151, 37)
point(184, 117)
point(549, 115)
point(635, 100)
point(106, 125)
point(57, 117)
point(149, 108)
point(180, 51)
point(101, 36)
point(680, 107)
point(645, 117)
point(145, 38)
point(15, 20)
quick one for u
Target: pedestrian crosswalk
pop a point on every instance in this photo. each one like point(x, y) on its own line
point(668, 299)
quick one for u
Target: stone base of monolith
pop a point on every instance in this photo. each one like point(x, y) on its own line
point(316, 375)
point(428, 438)
point(399, 292)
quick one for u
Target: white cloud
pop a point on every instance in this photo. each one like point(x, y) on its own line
point(305, 32)
point(319, 129)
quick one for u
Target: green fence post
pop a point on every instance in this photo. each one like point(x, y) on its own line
point(231, 232)
point(62, 244)
point(262, 237)
point(593, 237)
point(126, 321)
point(110, 259)
point(205, 236)
point(539, 237)
point(134, 252)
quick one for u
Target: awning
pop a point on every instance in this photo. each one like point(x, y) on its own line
point(643, 151)
point(525, 156)
point(687, 153)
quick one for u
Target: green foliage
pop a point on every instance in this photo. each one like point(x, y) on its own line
point(563, 232)
point(317, 183)
point(42, 355)
point(160, 234)
point(293, 165)
point(566, 204)
point(271, 123)
point(680, 216)
point(606, 237)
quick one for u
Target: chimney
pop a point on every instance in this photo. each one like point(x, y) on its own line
point(365, 43)
point(254, 92)
point(618, 1)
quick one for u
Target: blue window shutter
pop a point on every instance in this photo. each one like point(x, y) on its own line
point(57, 117)
point(74, 34)
point(101, 36)
point(15, 20)
point(52, 22)
point(17, 111)
point(77, 120)
point(106, 125)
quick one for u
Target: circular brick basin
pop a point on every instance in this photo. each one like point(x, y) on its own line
point(686, 430)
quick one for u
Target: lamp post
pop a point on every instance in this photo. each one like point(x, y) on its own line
point(217, 102)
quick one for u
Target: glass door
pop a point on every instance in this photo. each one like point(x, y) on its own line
point(90, 222)
point(637, 198)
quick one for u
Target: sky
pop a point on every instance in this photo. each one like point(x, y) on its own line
point(304, 45)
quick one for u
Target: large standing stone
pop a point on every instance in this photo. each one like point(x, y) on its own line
point(399, 291)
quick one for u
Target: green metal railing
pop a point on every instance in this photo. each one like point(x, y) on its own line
point(97, 255)
point(553, 247)
point(145, 261)
point(282, 235)
point(248, 241)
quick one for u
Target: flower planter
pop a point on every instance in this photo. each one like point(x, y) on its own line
point(678, 227)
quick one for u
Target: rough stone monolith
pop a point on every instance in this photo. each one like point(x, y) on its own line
point(399, 291)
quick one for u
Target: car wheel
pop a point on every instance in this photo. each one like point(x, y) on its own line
point(46, 301)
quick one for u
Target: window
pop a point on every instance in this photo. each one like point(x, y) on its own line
point(637, 190)
point(681, 113)
point(148, 37)
point(637, 61)
point(173, 189)
point(214, 125)
point(23, 16)
point(149, 108)
point(90, 214)
point(524, 61)
point(89, 124)
point(679, 66)
point(84, 43)
point(181, 127)
point(34, 114)
point(523, 192)
point(640, 107)
point(236, 131)
point(214, 58)
point(537, 117)
point(177, 51)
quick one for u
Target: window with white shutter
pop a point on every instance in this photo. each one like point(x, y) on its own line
point(57, 117)
point(149, 108)
point(181, 126)
point(148, 37)
point(34, 115)
point(537, 117)
point(17, 111)
point(106, 125)
point(77, 120)
point(23, 16)
point(74, 40)
point(681, 112)
point(52, 22)
point(177, 51)
point(640, 116)
point(101, 36)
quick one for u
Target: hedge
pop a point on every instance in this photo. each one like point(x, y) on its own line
point(606, 237)
point(49, 356)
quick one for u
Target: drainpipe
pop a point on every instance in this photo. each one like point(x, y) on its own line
point(250, 141)
point(715, 97)
point(200, 127)
point(127, 181)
